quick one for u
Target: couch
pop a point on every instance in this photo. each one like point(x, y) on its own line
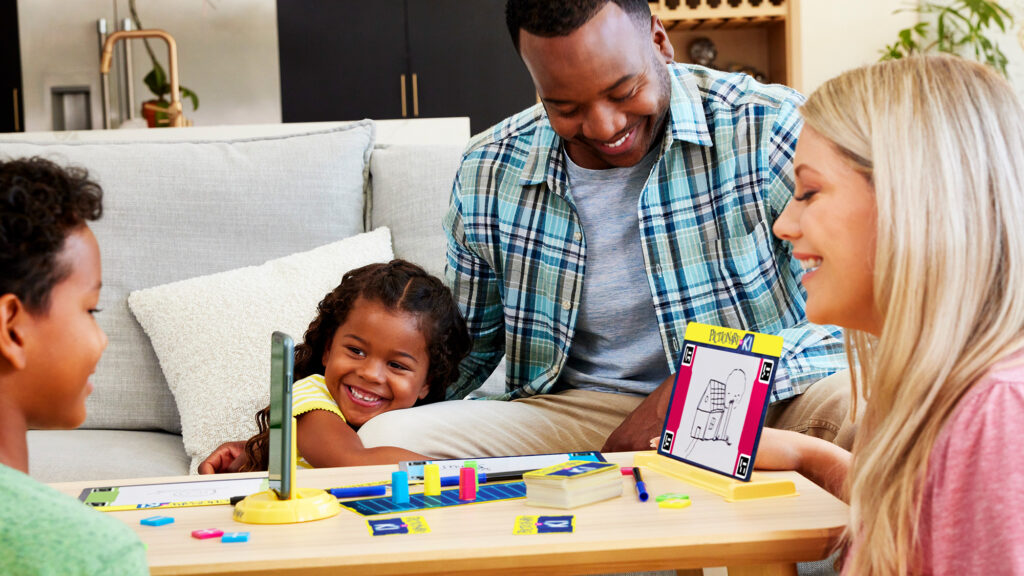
point(186, 203)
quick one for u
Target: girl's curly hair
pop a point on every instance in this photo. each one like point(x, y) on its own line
point(400, 286)
point(41, 204)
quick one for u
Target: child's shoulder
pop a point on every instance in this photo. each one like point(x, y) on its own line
point(311, 393)
point(36, 518)
point(313, 381)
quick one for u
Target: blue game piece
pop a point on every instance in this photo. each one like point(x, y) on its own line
point(235, 537)
point(156, 520)
point(400, 487)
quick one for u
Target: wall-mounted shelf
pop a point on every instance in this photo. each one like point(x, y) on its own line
point(749, 34)
point(674, 10)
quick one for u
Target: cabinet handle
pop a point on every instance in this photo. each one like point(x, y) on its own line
point(415, 97)
point(17, 122)
point(404, 111)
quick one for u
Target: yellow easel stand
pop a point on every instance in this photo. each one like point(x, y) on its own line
point(306, 505)
point(732, 490)
point(301, 504)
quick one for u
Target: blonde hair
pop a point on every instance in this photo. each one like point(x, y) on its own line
point(942, 141)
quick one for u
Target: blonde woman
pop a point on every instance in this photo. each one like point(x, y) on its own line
point(908, 217)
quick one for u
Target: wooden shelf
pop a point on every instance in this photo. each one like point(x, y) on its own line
point(760, 34)
point(719, 9)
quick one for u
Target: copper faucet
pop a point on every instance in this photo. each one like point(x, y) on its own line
point(177, 118)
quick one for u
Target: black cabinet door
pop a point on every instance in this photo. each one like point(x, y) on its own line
point(11, 111)
point(341, 59)
point(464, 61)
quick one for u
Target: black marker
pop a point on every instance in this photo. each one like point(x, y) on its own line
point(502, 476)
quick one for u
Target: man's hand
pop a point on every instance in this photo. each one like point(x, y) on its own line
point(228, 457)
point(644, 423)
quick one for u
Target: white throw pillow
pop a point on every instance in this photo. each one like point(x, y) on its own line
point(212, 333)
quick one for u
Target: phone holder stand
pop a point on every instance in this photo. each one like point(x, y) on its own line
point(759, 486)
point(300, 505)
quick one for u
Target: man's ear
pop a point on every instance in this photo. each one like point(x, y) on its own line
point(13, 322)
point(661, 42)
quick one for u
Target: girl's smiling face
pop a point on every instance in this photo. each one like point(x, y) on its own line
point(831, 223)
point(377, 361)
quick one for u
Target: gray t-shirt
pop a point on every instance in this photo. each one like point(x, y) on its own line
point(617, 346)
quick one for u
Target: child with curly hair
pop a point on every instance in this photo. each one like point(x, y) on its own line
point(50, 279)
point(388, 337)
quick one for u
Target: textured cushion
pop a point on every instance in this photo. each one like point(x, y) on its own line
point(185, 209)
point(77, 455)
point(212, 333)
point(410, 189)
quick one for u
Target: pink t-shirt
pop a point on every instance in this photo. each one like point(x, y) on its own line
point(972, 516)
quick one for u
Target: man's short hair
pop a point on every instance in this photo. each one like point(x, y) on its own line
point(552, 18)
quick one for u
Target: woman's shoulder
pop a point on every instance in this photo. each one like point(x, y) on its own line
point(998, 394)
point(969, 512)
point(989, 414)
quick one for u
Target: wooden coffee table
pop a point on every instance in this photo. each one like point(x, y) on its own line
point(619, 535)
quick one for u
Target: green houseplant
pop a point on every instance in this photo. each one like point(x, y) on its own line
point(961, 27)
point(154, 111)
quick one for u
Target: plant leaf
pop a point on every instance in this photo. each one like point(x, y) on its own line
point(186, 93)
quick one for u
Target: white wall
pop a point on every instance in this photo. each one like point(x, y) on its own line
point(1012, 44)
point(837, 35)
point(59, 47)
point(227, 53)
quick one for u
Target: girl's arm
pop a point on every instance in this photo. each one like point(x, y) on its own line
point(818, 460)
point(326, 441)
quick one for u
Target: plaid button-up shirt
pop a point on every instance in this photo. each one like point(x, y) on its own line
point(517, 251)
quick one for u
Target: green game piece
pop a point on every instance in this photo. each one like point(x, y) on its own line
point(101, 496)
point(671, 496)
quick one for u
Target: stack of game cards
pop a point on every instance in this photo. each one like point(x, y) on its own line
point(573, 483)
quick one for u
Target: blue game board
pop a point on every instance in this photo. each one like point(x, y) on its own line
point(449, 497)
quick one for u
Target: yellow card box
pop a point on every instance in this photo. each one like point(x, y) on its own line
point(573, 483)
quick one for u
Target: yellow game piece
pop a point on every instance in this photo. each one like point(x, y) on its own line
point(675, 503)
point(431, 480)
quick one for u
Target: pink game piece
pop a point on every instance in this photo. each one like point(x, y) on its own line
point(207, 533)
point(467, 483)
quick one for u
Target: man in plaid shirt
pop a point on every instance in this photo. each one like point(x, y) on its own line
point(587, 231)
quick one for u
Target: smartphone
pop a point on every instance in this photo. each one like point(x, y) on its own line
point(282, 368)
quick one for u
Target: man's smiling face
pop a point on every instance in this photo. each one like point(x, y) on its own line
point(605, 86)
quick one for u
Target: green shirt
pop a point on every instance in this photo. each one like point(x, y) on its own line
point(43, 531)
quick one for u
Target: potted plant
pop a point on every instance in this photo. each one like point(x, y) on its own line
point(155, 110)
point(961, 28)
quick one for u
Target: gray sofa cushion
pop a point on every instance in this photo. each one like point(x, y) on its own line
point(177, 210)
point(409, 191)
point(73, 455)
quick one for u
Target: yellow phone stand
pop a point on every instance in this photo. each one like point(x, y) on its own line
point(760, 486)
point(300, 505)
point(304, 506)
